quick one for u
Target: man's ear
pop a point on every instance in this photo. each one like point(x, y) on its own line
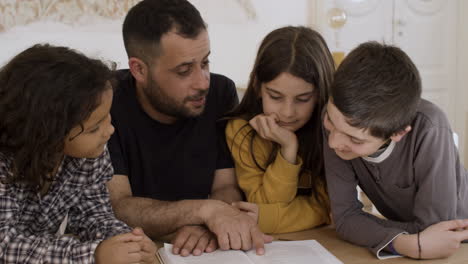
point(399, 135)
point(139, 69)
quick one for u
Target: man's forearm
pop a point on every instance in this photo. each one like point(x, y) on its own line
point(158, 218)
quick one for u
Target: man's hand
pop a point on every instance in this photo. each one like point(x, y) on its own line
point(193, 240)
point(250, 209)
point(268, 128)
point(234, 229)
point(437, 241)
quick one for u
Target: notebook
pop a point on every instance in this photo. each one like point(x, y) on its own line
point(277, 252)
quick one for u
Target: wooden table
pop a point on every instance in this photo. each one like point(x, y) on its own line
point(351, 254)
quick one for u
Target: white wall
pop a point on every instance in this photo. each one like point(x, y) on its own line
point(462, 65)
point(440, 52)
point(236, 28)
point(235, 38)
point(101, 38)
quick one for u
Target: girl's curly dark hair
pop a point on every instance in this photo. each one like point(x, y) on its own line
point(45, 91)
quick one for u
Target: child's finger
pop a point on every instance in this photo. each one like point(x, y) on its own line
point(148, 258)
point(263, 127)
point(138, 231)
point(267, 238)
point(134, 257)
point(148, 246)
point(246, 206)
point(271, 123)
point(212, 245)
point(462, 235)
point(127, 237)
point(258, 241)
point(179, 240)
point(133, 247)
point(275, 117)
point(253, 123)
point(453, 224)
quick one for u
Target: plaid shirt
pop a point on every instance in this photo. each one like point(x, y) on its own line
point(29, 222)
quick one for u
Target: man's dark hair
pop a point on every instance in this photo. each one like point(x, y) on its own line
point(377, 87)
point(45, 91)
point(149, 20)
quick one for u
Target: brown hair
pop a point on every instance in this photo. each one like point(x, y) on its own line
point(377, 87)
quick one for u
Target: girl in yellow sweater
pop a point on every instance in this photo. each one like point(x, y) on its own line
point(275, 135)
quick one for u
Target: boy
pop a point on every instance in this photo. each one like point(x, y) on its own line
point(399, 149)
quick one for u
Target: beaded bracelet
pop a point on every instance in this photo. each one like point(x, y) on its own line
point(419, 246)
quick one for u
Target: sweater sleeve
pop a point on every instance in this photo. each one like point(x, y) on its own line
point(438, 178)
point(352, 223)
point(303, 212)
point(277, 183)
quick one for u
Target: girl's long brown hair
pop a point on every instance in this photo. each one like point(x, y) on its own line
point(301, 52)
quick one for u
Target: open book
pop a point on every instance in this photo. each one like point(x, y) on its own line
point(277, 252)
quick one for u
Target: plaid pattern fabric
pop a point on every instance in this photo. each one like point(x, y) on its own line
point(29, 221)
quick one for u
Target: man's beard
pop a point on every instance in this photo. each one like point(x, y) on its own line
point(166, 105)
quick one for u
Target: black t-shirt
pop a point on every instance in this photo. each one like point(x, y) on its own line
point(170, 162)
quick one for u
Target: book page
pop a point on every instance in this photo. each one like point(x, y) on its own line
point(216, 257)
point(297, 252)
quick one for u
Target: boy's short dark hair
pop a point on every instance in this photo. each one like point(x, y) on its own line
point(377, 87)
point(148, 20)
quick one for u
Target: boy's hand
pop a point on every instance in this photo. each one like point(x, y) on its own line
point(267, 127)
point(437, 241)
point(442, 239)
point(120, 249)
point(148, 248)
point(193, 239)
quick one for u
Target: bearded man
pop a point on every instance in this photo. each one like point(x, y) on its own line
point(173, 172)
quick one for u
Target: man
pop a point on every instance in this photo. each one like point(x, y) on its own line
point(168, 150)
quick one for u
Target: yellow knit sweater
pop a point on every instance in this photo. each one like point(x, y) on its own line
point(274, 190)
